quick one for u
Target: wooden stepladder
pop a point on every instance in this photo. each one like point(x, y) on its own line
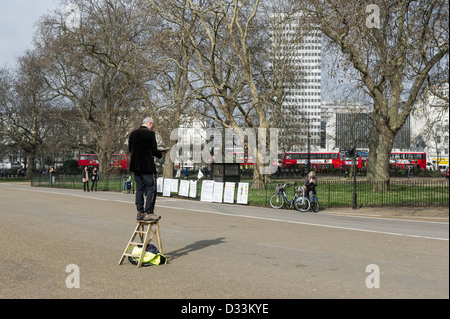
point(147, 230)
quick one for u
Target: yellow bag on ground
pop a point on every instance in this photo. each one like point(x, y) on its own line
point(151, 256)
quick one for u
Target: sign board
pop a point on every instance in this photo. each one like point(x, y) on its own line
point(207, 191)
point(242, 195)
point(184, 188)
point(228, 196)
point(218, 192)
point(167, 186)
point(159, 184)
point(193, 189)
point(174, 186)
point(227, 172)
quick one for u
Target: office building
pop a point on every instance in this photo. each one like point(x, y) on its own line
point(301, 105)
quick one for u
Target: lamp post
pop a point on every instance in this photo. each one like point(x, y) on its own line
point(308, 166)
point(354, 175)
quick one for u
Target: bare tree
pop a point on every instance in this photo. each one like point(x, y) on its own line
point(149, 53)
point(173, 83)
point(85, 68)
point(394, 46)
point(25, 105)
point(233, 77)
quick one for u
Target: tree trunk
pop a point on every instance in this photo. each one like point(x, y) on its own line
point(264, 157)
point(104, 162)
point(381, 168)
point(168, 166)
point(258, 178)
point(372, 157)
point(30, 166)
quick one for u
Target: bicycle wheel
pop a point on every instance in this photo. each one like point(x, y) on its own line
point(315, 205)
point(276, 201)
point(301, 204)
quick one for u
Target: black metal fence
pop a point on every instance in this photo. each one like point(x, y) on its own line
point(422, 193)
point(105, 183)
point(339, 193)
point(332, 193)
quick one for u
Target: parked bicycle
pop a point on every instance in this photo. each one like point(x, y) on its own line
point(315, 204)
point(299, 201)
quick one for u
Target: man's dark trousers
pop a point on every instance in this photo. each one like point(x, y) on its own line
point(145, 185)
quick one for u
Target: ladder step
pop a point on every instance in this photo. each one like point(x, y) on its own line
point(135, 243)
point(131, 255)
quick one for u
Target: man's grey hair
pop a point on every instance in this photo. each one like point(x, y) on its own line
point(147, 120)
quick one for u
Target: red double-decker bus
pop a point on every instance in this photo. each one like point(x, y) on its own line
point(320, 160)
point(347, 161)
point(405, 160)
point(88, 160)
point(324, 160)
point(117, 160)
point(246, 161)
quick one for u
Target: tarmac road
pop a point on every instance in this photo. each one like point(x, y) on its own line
point(217, 250)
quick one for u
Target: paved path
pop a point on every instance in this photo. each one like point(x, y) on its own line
point(216, 250)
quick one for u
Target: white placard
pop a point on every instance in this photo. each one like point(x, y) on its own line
point(174, 186)
point(228, 196)
point(242, 195)
point(218, 192)
point(193, 189)
point(184, 188)
point(207, 191)
point(167, 186)
point(159, 184)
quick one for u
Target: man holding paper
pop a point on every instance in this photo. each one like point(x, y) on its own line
point(142, 146)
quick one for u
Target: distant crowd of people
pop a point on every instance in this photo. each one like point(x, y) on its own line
point(8, 173)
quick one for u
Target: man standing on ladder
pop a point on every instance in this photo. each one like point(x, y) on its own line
point(142, 146)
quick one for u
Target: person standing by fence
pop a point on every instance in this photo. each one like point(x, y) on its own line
point(410, 173)
point(52, 175)
point(94, 179)
point(85, 178)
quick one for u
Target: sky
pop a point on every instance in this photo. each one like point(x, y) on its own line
point(17, 26)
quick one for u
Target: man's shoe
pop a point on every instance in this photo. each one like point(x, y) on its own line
point(140, 216)
point(151, 217)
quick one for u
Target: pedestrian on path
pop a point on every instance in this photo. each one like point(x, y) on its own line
point(85, 178)
point(95, 178)
point(52, 175)
point(410, 173)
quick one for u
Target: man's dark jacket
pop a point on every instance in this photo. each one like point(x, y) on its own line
point(142, 146)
